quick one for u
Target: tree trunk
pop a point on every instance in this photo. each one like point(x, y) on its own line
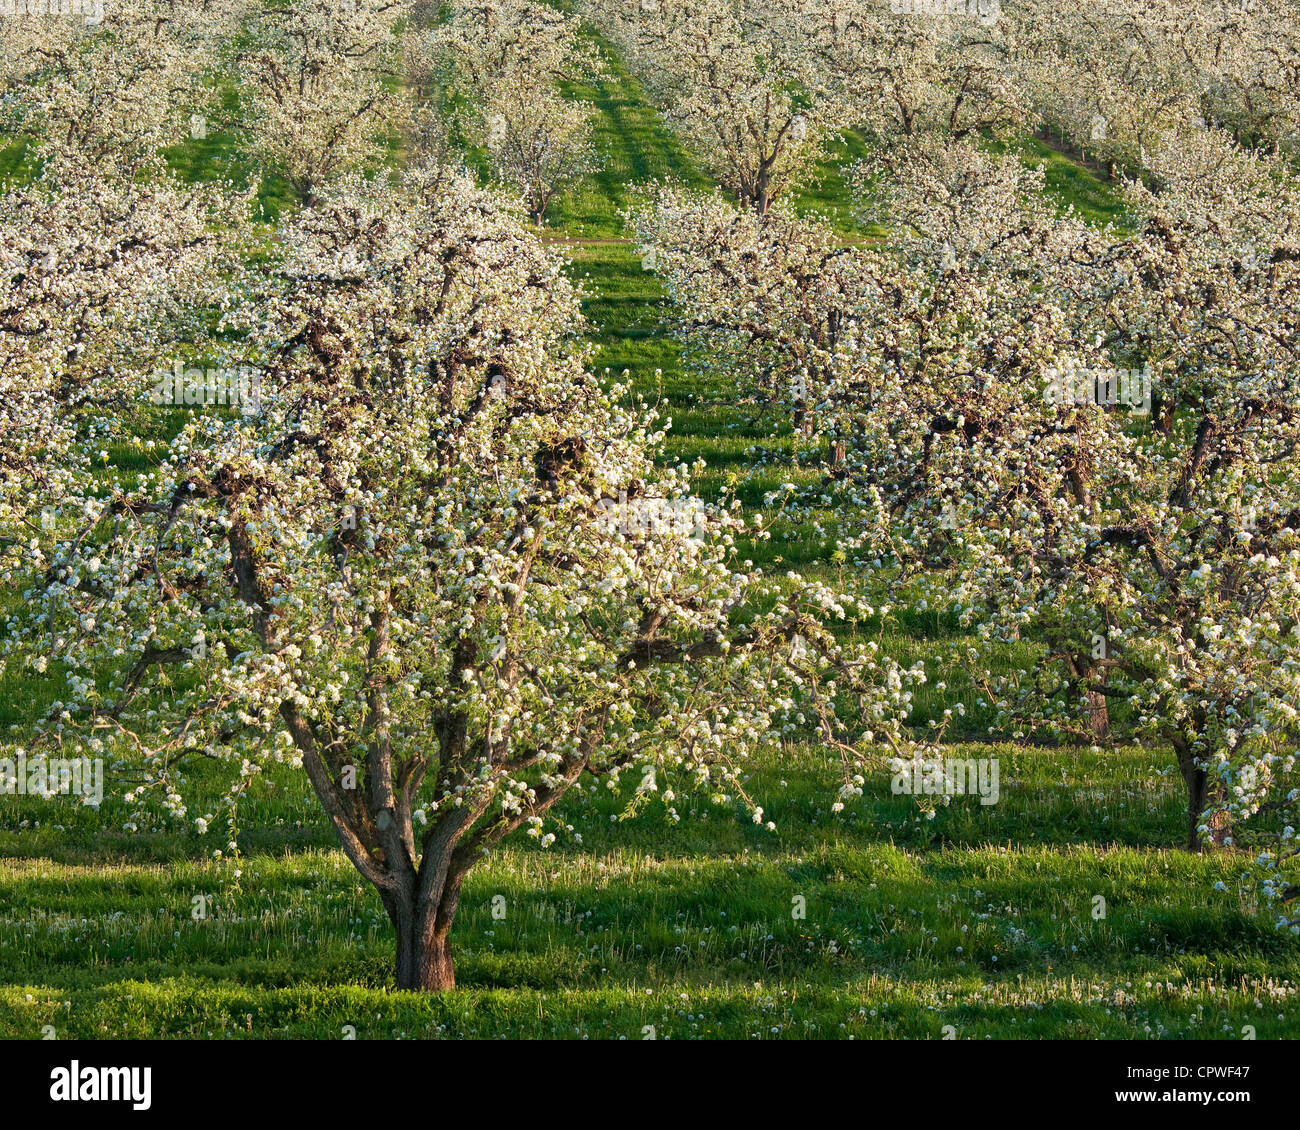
point(1202, 791)
point(424, 960)
point(1098, 715)
point(1162, 414)
point(763, 192)
point(1099, 711)
point(1081, 667)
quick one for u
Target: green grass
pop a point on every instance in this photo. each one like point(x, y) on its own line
point(635, 147)
point(982, 918)
point(1070, 184)
point(829, 195)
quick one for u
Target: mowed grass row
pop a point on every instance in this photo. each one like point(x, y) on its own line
point(696, 933)
point(1063, 910)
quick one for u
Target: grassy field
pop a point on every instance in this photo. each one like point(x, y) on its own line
point(981, 919)
point(1064, 910)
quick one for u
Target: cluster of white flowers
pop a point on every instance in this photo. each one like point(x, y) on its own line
point(1149, 550)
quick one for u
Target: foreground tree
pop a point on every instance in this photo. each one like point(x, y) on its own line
point(439, 571)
